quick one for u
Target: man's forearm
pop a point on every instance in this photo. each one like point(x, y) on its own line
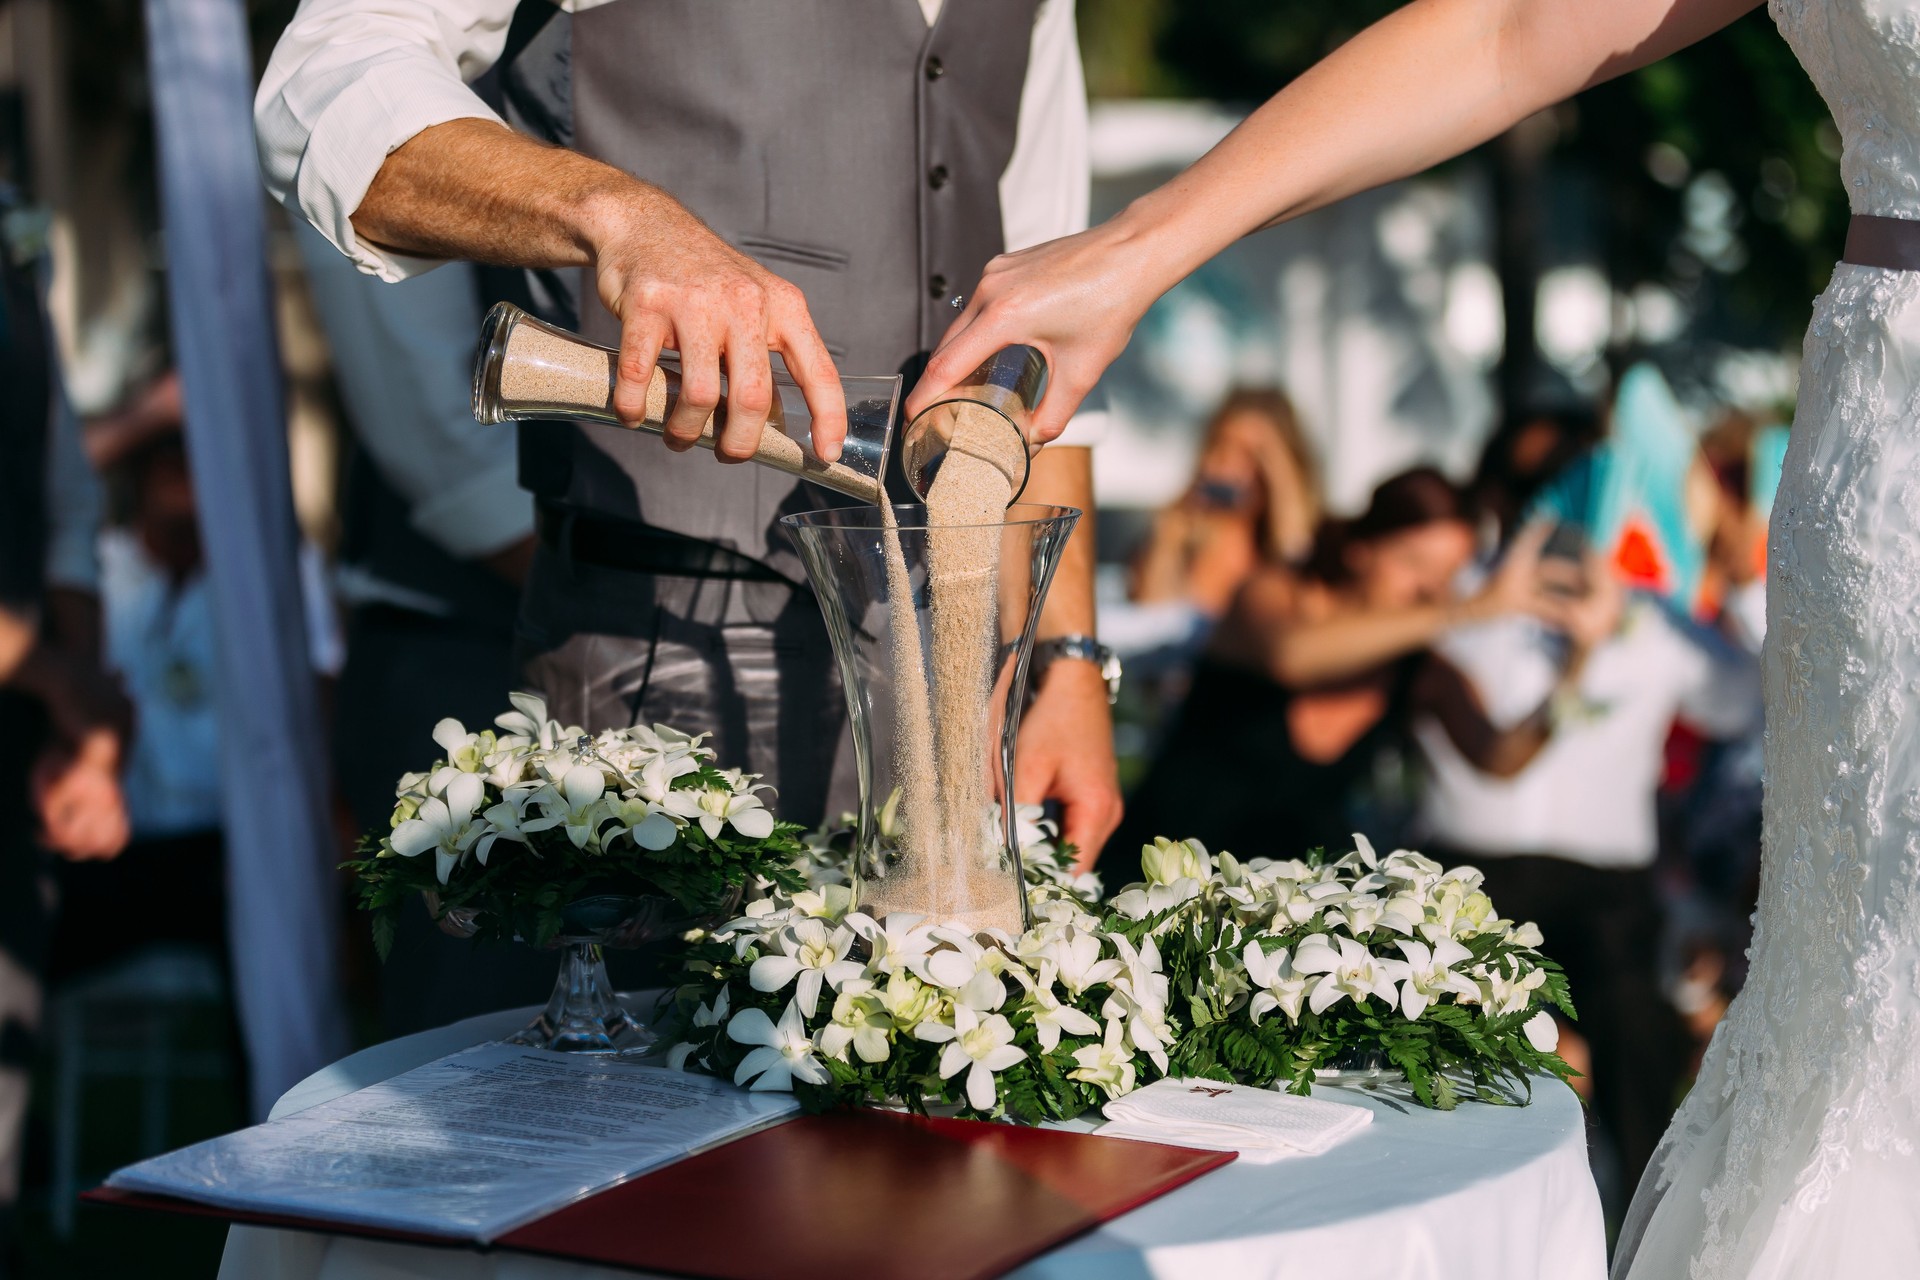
point(1063, 476)
point(476, 190)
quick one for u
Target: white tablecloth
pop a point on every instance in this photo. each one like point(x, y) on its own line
point(1481, 1193)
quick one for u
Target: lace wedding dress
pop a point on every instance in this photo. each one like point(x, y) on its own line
point(1795, 1154)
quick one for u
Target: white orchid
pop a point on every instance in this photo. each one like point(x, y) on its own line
point(860, 1020)
point(1108, 1066)
point(785, 1052)
point(1526, 935)
point(979, 1045)
point(901, 941)
point(466, 752)
point(443, 824)
point(1542, 1031)
point(574, 803)
point(911, 1002)
point(1278, 984)
point(828, 902)
point(1456, 909)
point(1049, 1016)
point(1504, 992)
point(808, 955)
point(1167, 862)
point(1362, 913)
point(1352, 972)
point(1139, 998)
point(508, 821)
point(528, 720)
point(647, 825)
point(1075, 958)
point(715, 807)
point(1430, 974)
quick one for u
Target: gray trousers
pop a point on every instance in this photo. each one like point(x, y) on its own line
point(747, 662)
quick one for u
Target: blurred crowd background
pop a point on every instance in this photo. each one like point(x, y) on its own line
point(1439, 515)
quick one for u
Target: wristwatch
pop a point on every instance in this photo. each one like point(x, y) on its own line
point(1084, 648)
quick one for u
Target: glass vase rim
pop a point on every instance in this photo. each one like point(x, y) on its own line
point(870, 518)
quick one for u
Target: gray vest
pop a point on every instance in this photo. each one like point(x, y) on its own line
point(842, 143)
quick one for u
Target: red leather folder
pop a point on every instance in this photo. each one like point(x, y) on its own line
point(873, 1194)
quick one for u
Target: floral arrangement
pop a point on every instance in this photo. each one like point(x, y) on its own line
point(1261, 972)
point(524, 821)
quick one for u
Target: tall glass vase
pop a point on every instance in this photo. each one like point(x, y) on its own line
point(933, 630)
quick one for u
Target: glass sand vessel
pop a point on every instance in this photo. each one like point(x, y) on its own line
point(529, 369)
point(935, 710)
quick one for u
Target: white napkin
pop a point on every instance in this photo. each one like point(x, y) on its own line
point(1263, 1126)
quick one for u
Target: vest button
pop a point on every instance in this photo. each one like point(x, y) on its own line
point(935, 68)
point(937, 176)
point(937, 286)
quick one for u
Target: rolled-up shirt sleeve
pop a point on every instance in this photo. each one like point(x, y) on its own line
point(350, 81)
point(1046, 191)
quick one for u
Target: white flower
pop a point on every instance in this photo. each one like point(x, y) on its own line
point(466, 752)
point(716, 807)
point(1140, 999)
point(903, 940)
point(1352, 971)
point(860, 1019)
point(810, 954)
point(574, 803)
point(1526, 935)
point(1279, 984)
point(1457, 910)
point(1430, 974)
point(1075, 961)
point(647, 825)
point(980, 1045)
point(785, 1054)
point(528, 719)
point(508, 821)
point(1138, 904)
point(1169, 861)
point(443, 824)
point(828, 902)
point(1050, 1017)
point(1108, 1065)
point(1543, 1032)
point(1502, 992)
point(911, 1002)
point(1365, 912)
point(956, 964)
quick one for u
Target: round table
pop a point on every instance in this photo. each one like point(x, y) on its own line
point(1480, 1193)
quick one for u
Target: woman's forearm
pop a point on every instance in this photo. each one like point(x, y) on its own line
point(1424, 84)
point(1309, 654)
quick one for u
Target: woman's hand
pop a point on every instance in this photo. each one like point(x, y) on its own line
point(1076, 299)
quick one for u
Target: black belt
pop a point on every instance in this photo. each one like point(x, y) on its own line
point(642, 548)
point(1892, 243)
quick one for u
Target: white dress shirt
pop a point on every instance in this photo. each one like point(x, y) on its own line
point(1589, 795)
point(351, 80)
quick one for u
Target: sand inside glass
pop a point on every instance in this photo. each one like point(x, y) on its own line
point(951, 864)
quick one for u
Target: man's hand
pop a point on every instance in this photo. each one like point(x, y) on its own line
point(477, 190)
point(1066, 754)
point(76, 793)
point(675, 285)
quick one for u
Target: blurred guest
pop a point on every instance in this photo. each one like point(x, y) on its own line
point(436, 538)
point(1312, 671)
point(62, 722)
point(1254, 499)
point(170, 883)
point(1525, 452)
point(1567, 834)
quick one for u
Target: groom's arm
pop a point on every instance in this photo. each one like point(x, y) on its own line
point(368, 128)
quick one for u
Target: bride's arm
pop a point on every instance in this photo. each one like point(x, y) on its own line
point(1425, 83)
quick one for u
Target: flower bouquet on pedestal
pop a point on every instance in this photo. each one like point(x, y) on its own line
point(545, 834)
point(1262, 972)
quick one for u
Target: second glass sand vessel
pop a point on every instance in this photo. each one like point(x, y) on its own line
point(934, 666)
